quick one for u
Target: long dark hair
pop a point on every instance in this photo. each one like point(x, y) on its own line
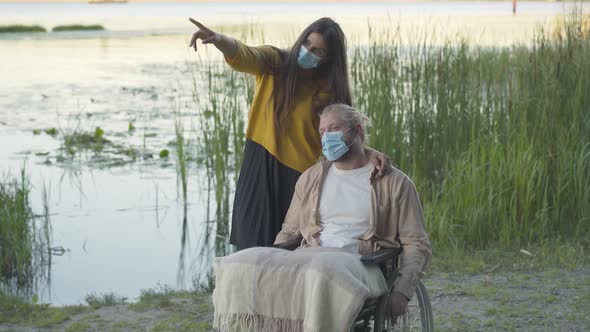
point(334, 71)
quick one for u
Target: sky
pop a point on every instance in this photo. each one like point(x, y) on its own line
point(275, 1)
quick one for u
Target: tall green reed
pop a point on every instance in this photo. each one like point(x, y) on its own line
point(220, 99)
point(222, 128)
point(495, 139)
point(25, 253)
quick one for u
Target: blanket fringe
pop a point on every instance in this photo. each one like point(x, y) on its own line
point(252, 322)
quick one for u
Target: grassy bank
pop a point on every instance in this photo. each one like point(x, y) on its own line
point(157, 309)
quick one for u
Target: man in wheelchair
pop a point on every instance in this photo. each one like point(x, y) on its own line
point(338, 212)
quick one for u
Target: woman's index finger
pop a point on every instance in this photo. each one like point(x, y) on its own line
point(198, 24)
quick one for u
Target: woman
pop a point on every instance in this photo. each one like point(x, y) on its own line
point(282, 138)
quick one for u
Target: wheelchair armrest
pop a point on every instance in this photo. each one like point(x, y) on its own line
point(288, 245)
point(381, 255)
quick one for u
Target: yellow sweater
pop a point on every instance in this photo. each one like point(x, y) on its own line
point(298, 143)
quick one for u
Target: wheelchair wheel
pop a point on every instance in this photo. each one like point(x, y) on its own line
point(419, 316)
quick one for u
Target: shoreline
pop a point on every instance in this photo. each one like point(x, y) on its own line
point(482, 291)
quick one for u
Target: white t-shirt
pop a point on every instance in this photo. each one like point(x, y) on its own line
point(345, 205)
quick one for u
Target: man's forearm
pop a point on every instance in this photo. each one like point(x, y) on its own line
point(413, 262)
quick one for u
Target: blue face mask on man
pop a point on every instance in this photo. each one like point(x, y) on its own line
point(333, 145)
point(306, 59)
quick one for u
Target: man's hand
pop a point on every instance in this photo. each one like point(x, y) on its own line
point(397, 305)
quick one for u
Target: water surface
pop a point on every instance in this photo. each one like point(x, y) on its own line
point(122, 220)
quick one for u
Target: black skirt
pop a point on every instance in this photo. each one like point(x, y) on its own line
point(263, 195)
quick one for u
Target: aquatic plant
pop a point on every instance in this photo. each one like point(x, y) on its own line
point(181, 158)
point(25, 238)
point(48, 131)
point(164, 153)
point(79, 140)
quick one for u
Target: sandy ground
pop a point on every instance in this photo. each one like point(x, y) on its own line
point(548, 299)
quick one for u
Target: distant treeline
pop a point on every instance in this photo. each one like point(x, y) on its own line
point(37, 28)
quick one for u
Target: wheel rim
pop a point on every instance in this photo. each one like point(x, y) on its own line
point(418, 317)
point(411, 321)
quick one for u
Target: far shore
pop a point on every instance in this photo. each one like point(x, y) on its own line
point(287, 1)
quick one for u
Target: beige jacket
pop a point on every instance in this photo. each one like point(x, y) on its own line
point(396, 220)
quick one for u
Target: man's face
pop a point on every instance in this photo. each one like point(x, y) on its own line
point(332, 121)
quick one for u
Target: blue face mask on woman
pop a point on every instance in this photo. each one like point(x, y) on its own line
point(333, 145)
point(306, 59)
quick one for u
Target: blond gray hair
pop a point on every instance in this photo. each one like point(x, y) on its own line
point(351, 116)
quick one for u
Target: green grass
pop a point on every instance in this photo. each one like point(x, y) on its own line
point(104, 300)
point(163, 296)
point(181, 310)
point(77, 27)
point(14, 310)
point(25, 258)
point(21, 28)
point(496, 140)
point(549, 256)
point(79, 326)
point(181, 323)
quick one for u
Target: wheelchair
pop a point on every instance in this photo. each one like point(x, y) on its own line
point(372, 317)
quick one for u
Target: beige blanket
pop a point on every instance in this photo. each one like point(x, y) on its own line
point(310, 290)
